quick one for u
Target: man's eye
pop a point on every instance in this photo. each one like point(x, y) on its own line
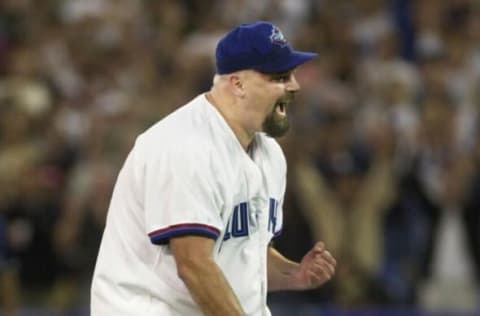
point(282, 78)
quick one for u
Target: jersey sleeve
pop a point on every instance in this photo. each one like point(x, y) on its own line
point(181, 196)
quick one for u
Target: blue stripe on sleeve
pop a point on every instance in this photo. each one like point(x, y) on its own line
point(163, 236)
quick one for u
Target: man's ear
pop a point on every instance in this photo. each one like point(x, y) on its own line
point(237, 84)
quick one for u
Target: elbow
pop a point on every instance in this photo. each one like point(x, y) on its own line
point(188, 268)
point(193, 257)
point(184, 269)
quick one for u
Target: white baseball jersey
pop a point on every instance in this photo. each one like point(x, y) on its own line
point(188, 174)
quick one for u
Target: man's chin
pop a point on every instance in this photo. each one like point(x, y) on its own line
point(276, 128)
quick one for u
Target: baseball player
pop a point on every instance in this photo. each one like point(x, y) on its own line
point(200, 196)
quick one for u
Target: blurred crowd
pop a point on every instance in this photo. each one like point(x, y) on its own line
point(384, 153)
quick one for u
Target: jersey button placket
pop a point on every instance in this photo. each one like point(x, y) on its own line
point(262, 243)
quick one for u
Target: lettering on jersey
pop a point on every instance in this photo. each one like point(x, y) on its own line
point(272, 215)
point(237, 225)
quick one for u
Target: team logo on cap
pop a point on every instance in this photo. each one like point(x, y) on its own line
point(277, 37)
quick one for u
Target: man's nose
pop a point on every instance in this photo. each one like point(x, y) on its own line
point(292, 85)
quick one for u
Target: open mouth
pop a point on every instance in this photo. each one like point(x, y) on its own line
point(281, 107)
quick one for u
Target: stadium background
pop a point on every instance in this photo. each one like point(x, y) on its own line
point(384, 154)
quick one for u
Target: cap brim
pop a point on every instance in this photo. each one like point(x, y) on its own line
point(286, 63)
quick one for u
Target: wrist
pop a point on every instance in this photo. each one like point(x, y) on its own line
point(296, 279)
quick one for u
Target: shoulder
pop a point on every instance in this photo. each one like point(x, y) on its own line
point(184, 118)
point(197, 129)
point(183, 145)
point(183, 130)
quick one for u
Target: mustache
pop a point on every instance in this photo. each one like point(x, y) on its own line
point(287, 98)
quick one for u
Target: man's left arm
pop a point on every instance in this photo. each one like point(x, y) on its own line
point(316, 268)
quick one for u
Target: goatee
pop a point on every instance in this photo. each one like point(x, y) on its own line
point(275, 125)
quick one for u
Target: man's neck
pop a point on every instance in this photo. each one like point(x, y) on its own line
point(227, 110)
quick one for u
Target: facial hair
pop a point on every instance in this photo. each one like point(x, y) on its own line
point(276, 125)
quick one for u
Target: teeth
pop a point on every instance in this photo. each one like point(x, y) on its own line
point(282, 108)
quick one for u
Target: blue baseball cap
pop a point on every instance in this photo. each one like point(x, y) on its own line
point(259, 46)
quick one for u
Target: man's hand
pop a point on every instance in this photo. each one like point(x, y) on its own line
point(316, 268)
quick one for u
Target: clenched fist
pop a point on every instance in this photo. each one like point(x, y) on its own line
point(316, 268)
